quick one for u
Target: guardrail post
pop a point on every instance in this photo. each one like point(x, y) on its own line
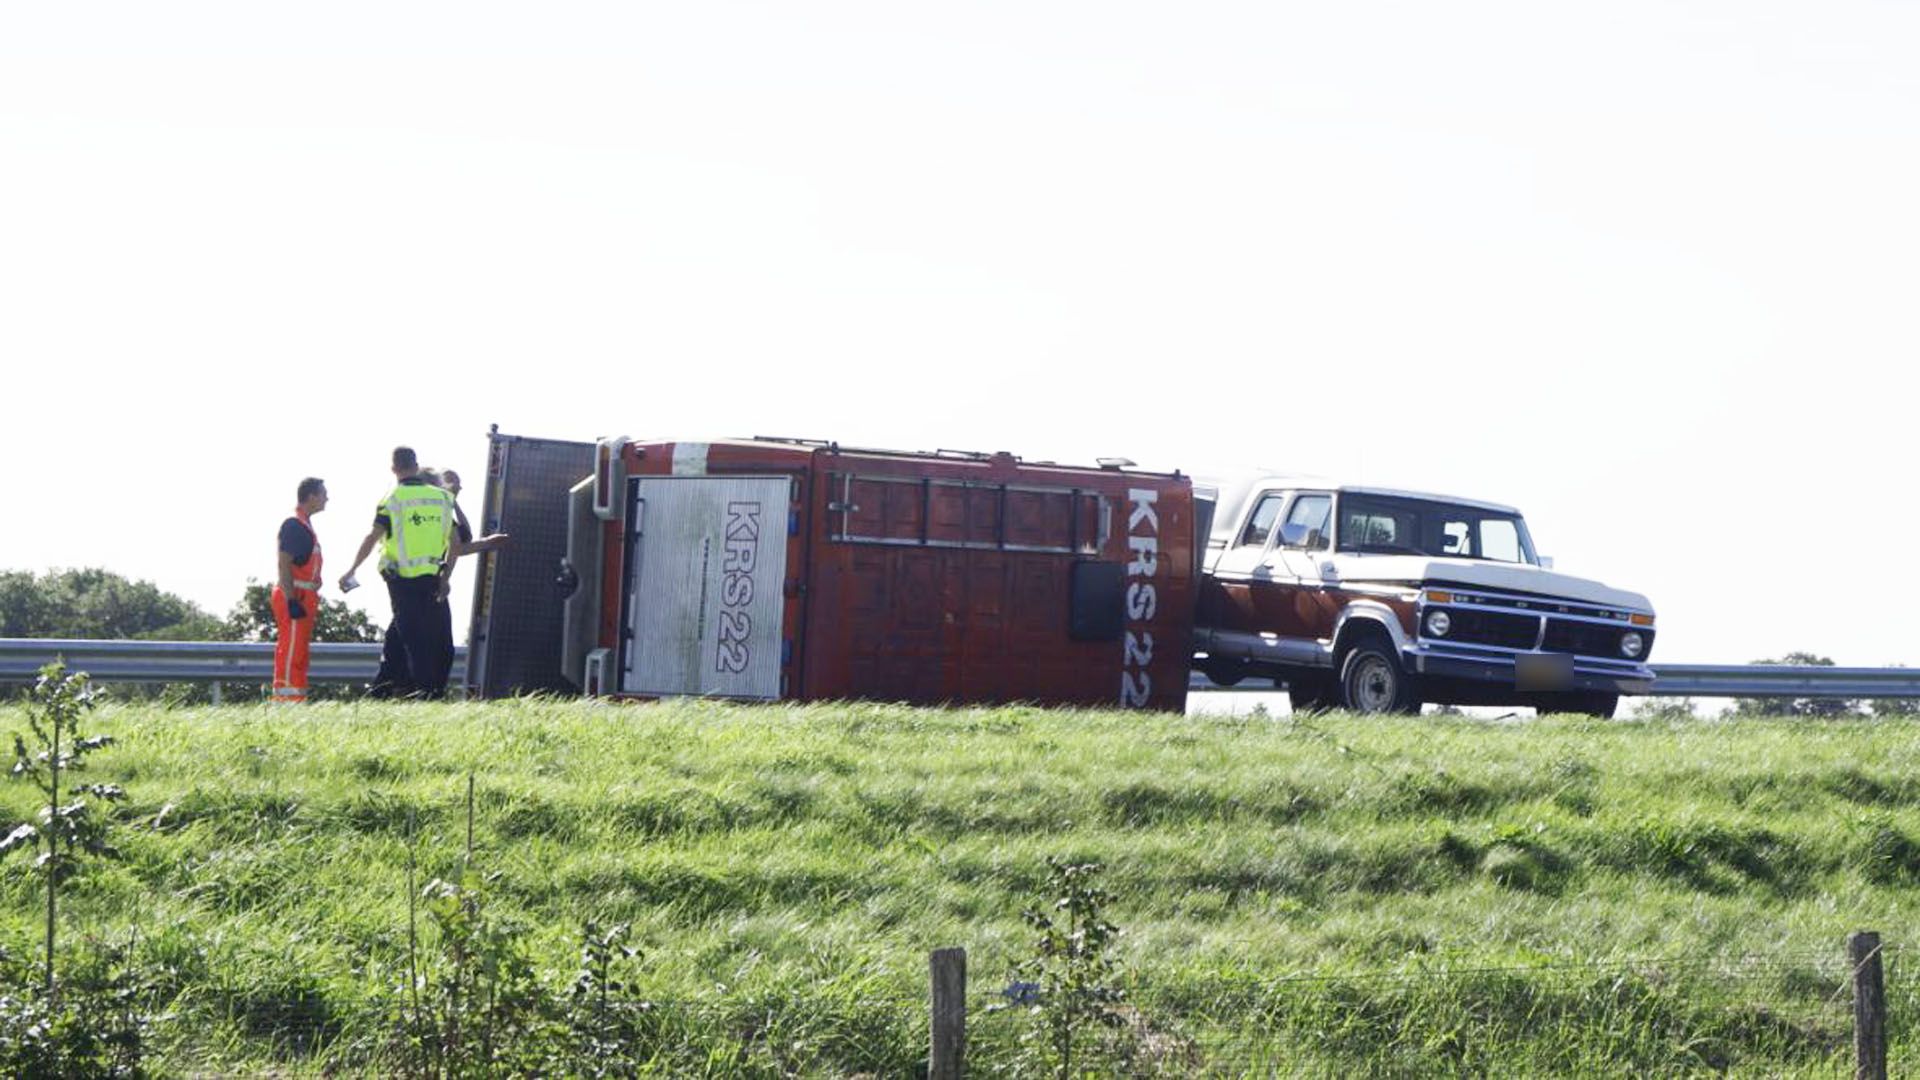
point(947, 1057)
point(1869, 1007)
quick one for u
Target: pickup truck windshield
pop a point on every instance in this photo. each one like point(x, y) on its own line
point(1385, 525)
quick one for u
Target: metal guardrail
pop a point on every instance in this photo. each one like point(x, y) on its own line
point(230, 661)
point(1779, 680)
point(1726, 680)
point(191, 661)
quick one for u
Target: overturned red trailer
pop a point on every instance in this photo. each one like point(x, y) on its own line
point(784, 569)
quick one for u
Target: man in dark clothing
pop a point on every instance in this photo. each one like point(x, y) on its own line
point(414, 527)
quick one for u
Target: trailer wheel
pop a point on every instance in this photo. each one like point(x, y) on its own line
point(1224, 672)
point(1592, 704)
point(1310, 693)
point(1372, 680)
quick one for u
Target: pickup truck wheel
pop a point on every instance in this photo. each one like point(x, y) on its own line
point(1372, 681)
point(1595, 704)
point(1224, 672)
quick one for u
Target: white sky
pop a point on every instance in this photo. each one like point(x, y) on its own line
point(1646, 270)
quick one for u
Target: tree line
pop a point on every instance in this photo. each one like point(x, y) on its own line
point(99, 604)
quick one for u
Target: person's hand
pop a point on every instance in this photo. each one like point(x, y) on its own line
point(297, 609)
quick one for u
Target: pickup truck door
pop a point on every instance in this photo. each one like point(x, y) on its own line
point(1227, 595)
point(1312, 514)
point(1263, 596)
point(1310, 607)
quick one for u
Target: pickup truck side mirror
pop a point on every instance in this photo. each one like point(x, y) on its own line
point(1546, 562)
point(1293, 534)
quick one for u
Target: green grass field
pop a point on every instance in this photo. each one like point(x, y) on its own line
point(1329, 896)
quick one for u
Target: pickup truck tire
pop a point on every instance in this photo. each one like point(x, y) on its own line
point(1593, 704)
point(1372, 680)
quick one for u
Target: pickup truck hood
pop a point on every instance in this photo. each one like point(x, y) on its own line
point(1504, 577)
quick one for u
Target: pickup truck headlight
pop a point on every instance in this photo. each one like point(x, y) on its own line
point(1632, 645)
point(1438, 623)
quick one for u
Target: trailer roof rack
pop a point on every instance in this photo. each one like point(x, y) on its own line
point(792, 441)
point(943, 452)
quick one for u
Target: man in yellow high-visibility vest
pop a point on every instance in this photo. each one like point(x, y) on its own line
point(414, 526)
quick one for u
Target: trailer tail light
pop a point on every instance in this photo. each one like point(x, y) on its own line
point(609, 476)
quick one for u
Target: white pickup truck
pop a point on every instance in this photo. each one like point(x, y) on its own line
point(1378, 600)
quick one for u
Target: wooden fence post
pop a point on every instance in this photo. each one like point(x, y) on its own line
point(946, 1061)
point(1869, 1007)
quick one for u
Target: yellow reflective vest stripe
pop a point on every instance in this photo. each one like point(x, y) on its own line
point(419, 529)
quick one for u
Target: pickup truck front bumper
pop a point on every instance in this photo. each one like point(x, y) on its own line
point(1501, 671)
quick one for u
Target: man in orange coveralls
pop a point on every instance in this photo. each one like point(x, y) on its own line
point(296, 594)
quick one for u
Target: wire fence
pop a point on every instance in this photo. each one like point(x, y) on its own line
point(1777, 1014)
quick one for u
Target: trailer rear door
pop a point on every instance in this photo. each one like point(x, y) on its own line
point(514, 640)
point(706, 573)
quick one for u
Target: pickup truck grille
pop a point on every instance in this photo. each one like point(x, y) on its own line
point(1592, 639)
point(1494, 628)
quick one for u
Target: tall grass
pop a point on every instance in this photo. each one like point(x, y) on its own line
point(1426, 896)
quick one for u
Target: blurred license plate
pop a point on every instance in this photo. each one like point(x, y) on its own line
point(1543, 671)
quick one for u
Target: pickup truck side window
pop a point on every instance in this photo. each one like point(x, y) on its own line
point(1379, 526)
point(1260, 523)
point(1312, 511)
point(1384, 533)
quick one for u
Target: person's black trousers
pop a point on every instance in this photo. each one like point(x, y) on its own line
point(419, 642)
point(394, 680)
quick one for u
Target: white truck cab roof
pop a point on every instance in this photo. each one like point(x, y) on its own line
point(1232, 493)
